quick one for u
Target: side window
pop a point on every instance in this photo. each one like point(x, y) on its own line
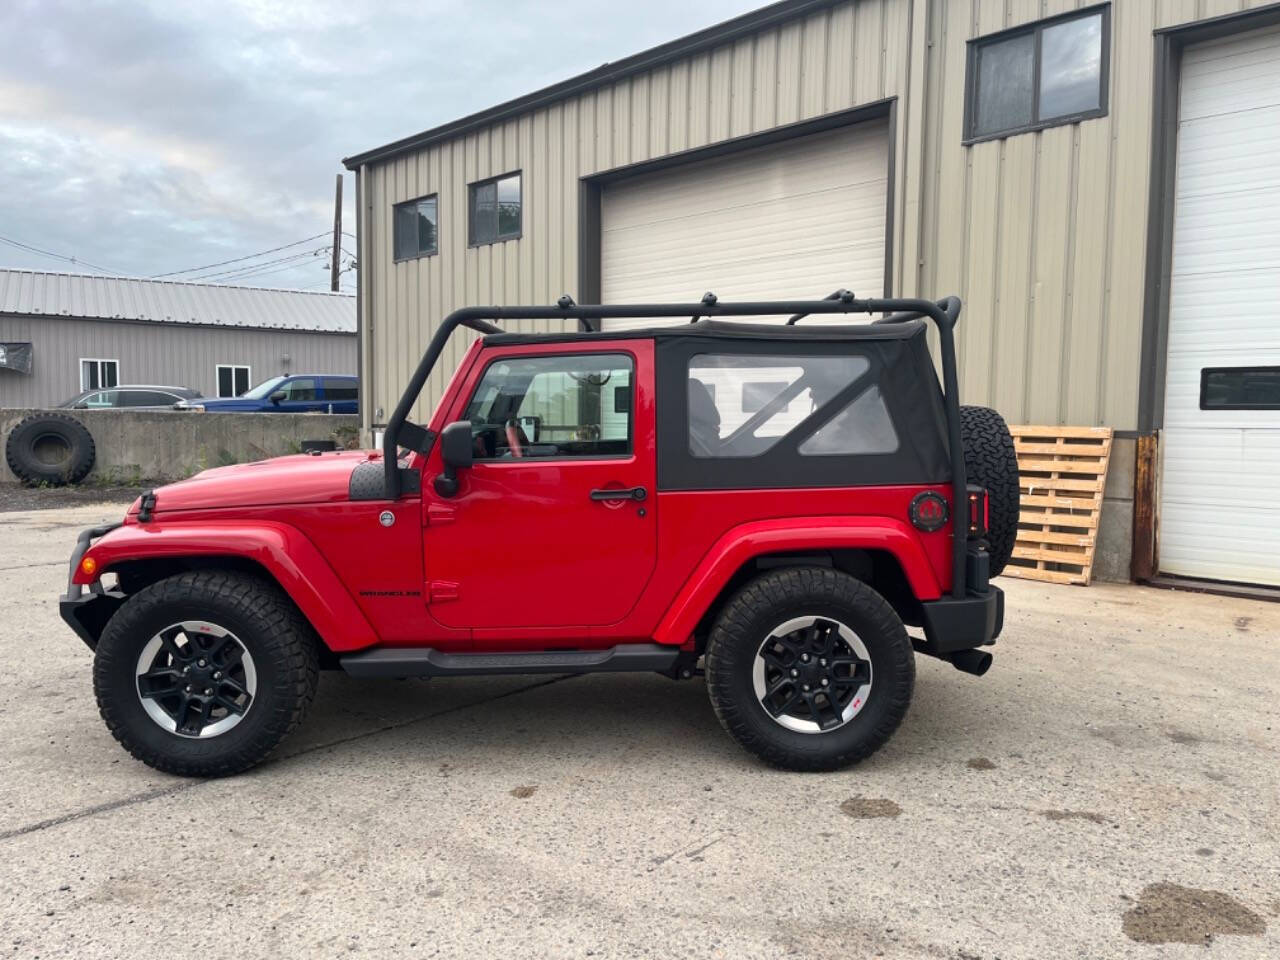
point(740, 405)
point(566, 406)
point(339, 388)
point(303, 388)
point(104, 398)
point(863, 427)
point(146, 398)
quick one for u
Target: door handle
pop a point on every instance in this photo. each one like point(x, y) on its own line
point(632, 493)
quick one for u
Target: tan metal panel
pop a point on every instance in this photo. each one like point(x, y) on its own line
point(1009, 311)
point(813, 64)
point(720, 101)
point(659, 108)
point(868, 51)
point(764, 109)
point(740, 87)
point(789, 70)
point(840, 54)
point(699, 100)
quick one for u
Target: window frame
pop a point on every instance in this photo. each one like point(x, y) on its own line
point(219, 367)
point(1037, 29)
point(570, 458)
point(98, 360)
point(472, 242)
point(395, 208)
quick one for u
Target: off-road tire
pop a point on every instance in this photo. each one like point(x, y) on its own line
point(773, 598)
point(284, 650)
point(68, 450)
point(990, 461)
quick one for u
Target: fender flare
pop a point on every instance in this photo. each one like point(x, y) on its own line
point(282, 550)
point(749, 540)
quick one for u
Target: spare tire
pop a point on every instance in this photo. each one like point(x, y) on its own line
point(990, 461)
point(50, 448)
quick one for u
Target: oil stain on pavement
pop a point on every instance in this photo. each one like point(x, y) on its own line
point(524, 793)
point(980, 763)
point(1169, 913)
point(869, 808)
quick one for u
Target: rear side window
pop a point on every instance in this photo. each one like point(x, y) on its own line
point(741, 405)
point(863, 427)
point(339, 389)
point(575, 405)
point(146, 398)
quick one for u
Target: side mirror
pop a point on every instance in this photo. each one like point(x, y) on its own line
point(456, 452)
point(277, 396)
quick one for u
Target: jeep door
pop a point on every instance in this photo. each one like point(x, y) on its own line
point(553, 525)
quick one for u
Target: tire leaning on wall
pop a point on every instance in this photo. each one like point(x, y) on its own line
point(50, 448)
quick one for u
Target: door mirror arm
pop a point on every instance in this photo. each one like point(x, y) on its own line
point(456, 453)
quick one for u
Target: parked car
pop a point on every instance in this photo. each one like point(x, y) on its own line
point(304, 393)
point(772, 505)
point(134, 396)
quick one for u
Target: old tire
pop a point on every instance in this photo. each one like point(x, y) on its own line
point(744, 663)
point(50, 448)
point(990, 461)
point(164, 630)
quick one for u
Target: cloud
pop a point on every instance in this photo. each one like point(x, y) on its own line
point(152, 136)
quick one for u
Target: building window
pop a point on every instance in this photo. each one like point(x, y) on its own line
point(417, 231)
point(95, 374)
point(1038, 76)
point(495, 209)
point(233, 379)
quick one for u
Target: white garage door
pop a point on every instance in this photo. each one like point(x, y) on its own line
point(1220, 487)
point(792, 220)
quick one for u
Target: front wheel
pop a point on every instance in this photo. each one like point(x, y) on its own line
point(204, 673)
point(809, 669)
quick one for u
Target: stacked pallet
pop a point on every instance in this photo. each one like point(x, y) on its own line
point(1062, 471)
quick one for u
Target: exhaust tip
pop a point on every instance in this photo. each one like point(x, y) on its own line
point(976, 662)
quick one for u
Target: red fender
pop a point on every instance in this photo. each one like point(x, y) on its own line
point(749, 540)
point(284, 551)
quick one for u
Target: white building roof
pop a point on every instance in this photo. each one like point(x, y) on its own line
point(39, 293)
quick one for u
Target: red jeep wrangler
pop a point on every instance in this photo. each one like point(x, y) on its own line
point(770, 503)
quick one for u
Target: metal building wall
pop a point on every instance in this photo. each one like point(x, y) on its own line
point(835, 58)
point(170, 354)
point(1043, 234)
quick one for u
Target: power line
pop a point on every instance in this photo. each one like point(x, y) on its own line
point(252, 267)
point(259, 273)
point(58, 256)
point(251, 256)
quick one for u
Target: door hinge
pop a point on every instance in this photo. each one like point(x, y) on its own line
point(438, 591)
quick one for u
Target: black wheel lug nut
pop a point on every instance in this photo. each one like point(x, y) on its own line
point(188, 688)
point(795, 673)
point(208, 691)
point(806, 688)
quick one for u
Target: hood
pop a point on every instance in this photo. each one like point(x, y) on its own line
point(304, 478)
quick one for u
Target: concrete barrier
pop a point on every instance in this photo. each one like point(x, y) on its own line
point(136, 446)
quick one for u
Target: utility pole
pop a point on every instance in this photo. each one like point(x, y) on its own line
point(337, 235)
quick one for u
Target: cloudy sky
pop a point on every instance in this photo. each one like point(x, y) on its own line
point(143, 138)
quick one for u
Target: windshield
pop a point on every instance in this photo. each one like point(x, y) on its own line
point(264, 389)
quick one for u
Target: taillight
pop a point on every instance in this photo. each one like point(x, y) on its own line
point(979, 512)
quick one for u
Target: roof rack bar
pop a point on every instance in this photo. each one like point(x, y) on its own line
point(842, 294)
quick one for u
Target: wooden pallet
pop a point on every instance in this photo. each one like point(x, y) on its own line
point(1063, 471)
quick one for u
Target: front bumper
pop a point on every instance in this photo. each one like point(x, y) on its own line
point(87, 612)
point(974, 621)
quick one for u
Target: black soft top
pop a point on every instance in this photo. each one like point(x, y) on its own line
point(725, 330)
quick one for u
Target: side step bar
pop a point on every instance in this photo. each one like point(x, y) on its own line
point(427, 662)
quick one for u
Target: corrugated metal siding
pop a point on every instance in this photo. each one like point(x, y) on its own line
point(1043, 234)
point(168, 301)
point(850, 54)
point(171, 355)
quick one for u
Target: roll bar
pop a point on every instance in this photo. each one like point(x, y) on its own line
point(944, 314)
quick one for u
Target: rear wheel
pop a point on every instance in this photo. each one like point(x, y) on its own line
point(990, 462)
point(809, 669)
point(204, 673)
